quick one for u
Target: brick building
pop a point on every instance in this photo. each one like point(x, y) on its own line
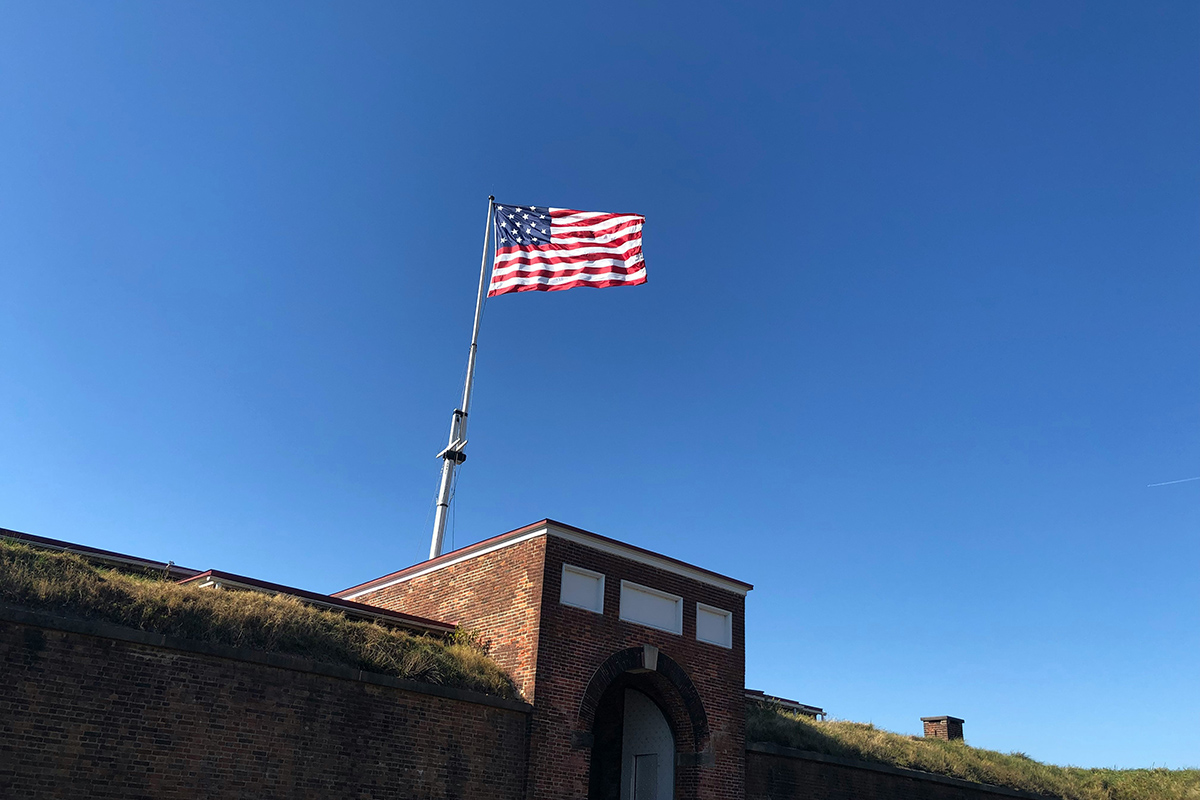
point(633, 662)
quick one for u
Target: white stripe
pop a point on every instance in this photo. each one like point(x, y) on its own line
point(596, 262)
point(577, 216)
point(561, 279)
point(608, 223)
point(620, 249)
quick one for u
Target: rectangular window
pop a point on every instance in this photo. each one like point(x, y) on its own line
point(582, 588)
point(714, 625)
point(651, 608)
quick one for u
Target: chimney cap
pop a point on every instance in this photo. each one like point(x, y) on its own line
point(943, 718)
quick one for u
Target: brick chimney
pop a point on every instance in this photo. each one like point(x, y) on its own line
point(947, 729)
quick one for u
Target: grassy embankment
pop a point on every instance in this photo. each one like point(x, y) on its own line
point(68, 584)
point(1015, 770)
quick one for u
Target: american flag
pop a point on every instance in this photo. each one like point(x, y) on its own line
point(540, 249)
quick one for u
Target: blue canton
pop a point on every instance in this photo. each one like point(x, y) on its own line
point(522, 226)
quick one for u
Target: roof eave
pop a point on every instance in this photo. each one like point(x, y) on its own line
point(231, 580)
point(570, 532)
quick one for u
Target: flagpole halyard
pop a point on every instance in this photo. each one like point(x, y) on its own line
point(453, 455)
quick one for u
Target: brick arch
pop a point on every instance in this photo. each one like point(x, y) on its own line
point(668, 671)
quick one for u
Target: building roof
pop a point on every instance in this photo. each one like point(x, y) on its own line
point(783, 702)
point(227, 580)
point(214, 577)
point(171, 569)
point(549, 527)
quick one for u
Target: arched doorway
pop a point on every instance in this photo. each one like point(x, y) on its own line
point(642, 713)
point(633, 744)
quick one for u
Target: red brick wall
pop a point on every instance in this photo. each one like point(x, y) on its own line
point(945, 728)
point(575, 642)
point(780, 777)
point(497, 594)
point(98, 717)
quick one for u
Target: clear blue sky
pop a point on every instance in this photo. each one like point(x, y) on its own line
point(921, 323)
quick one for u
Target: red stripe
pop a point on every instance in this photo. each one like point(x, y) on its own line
point(580, 233)
point(542, 287)
point(592, 239)
point(557, 248)
point(567, 248)
point(583, 258)
point(559, 273)
point(558, 213)
point(557, 220)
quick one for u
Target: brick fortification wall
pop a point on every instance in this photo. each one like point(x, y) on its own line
point(90, 710)
point(779, 773)
point(497, 594)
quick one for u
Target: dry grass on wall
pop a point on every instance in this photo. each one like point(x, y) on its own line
point(854, 740)
point(68, 584)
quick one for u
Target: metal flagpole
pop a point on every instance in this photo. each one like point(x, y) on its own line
point(453, 455)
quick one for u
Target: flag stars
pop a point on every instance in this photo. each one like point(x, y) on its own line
point(522, 226)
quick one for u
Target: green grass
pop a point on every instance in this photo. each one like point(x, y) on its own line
point(855, 740)
point(68, 584)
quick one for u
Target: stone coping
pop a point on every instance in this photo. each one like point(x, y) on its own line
point(808, 755)
point(107, 630)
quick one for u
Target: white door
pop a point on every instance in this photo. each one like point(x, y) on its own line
point(647, 751)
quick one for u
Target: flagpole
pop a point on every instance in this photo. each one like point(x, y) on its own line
point(453, 455)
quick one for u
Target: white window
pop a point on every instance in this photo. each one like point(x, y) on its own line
point(714, 625)
point(651, 608)
point(582, 588)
